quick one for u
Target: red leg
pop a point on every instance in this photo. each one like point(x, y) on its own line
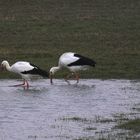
point(76, 77)
point(20, 84)
point(67, 78)
point(26, 84)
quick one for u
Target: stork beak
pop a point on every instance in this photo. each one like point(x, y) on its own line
point(51, 77)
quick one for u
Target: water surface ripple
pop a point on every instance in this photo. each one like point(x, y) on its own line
point(61, 111)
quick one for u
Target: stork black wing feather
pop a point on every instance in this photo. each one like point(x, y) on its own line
point(36, 71)
point(83, 61)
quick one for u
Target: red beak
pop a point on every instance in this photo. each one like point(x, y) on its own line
point(51, 79)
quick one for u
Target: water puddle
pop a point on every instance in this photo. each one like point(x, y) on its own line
point(88, 110)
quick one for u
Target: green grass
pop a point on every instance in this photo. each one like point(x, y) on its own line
point(133, 125)
point(41, 30)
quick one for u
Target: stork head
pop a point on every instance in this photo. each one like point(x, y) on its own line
point(53, 70)
point(4, 64)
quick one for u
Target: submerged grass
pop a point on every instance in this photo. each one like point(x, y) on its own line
point(104, 30)
point(133, 125)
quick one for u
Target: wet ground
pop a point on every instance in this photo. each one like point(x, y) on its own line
point(89, 110)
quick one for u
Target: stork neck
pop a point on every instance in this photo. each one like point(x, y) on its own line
point(56, 68)
point(8, 66)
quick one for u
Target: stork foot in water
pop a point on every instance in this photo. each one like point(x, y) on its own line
point(24, 84)
point(73, 76)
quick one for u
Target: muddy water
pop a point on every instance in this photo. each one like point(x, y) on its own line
point(90, 109)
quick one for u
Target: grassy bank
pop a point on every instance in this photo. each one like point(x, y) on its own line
point(133, 125)
point(41, 30)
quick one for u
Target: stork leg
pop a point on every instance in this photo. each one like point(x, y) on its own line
point(74, 75)
point(24, 84)
point(77, 77)
point(67, 78)
point(20, 84)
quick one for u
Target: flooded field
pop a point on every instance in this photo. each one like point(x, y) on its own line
point(90, 110)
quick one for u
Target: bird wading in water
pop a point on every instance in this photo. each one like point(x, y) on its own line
point(25, 69)
point(74, 63)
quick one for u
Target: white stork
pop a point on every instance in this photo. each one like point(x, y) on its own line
point(73, 62)
point(25, 69)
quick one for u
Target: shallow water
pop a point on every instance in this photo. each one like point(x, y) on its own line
point(90, 109)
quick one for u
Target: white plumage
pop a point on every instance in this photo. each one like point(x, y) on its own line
point(21, 66)
point(74, 62)
point(25, 69)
